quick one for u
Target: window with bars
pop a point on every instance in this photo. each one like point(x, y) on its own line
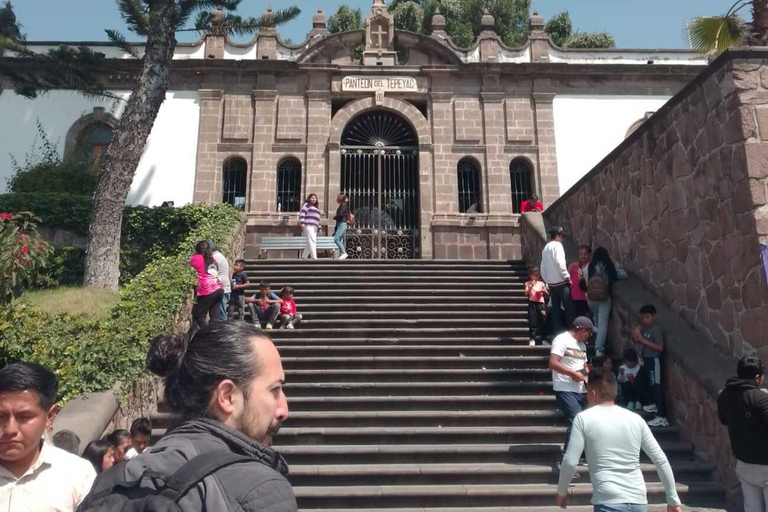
point(235, 180)
point(469, 186)
point(289, 185)
point(521, 178)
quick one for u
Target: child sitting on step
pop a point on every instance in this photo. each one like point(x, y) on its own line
point(289, 318)
point(536, 291)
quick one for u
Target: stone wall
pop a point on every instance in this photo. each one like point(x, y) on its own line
point(682, 203)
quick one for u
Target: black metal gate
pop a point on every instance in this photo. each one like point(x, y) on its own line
point(380, 172)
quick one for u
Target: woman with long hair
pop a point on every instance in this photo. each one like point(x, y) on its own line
point(600, 276)
point(309, 220)
point(101, 454)
point(342, 214)
point(210, 291)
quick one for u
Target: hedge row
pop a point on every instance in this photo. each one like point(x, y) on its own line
point(92, 356)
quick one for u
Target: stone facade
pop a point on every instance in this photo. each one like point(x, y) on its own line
point(682, 204)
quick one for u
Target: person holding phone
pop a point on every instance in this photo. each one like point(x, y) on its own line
point(568, 362)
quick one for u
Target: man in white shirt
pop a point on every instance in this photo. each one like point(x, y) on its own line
point(568, 362)
point(222, 265)
point(34, 475)
point(555, 273)
point(613, 438)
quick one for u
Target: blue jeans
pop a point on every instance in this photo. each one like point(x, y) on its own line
point(620, 507)
point(338, 237)
point(570, 405)
point(601, 312)
point(224, 303)
point(652, 367)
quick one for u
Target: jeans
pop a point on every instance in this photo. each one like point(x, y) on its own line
point(338, 236)
point(208, 306)
point(637, 390)
point(570, 405)
point(236, 306)
point(224, 304)
point(652, 367)
point(536, 320)
point(289, 319)
point(310, 233)
point(620, 507)
point(754, 486)
point(601, 312)
point(261, 315)
point(561, 300)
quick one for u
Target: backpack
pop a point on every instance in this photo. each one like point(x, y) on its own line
point(350, 218)
point(597, 289)
point(112, 493)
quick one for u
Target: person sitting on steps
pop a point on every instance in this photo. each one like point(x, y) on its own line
point(264, 306)
point(289, 318)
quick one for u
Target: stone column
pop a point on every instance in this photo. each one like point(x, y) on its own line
point(318, 129)
point(208, 172)
point(445, 191)
point(496, 187)
point(546, 180)
point(263, 173)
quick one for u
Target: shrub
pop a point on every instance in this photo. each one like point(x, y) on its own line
point(55, 210)
point(590, 40)
point(94, 355)
point(22, 253)
point(65, 267)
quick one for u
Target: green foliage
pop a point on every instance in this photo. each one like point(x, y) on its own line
point(511, 19)
point(65, 211)
point(345, 19)
point(559, 28)
point(409, 16)
point(590, 40)
point(22, 253)
point(94, 355)
point(65, 267)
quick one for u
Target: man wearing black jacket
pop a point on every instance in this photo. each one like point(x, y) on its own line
point(743, 407)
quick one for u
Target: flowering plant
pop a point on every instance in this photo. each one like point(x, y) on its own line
point(22, 252)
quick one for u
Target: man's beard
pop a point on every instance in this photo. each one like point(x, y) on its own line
point(247, 424)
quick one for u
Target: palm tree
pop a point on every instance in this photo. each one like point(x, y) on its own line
point(157, 21)
point(715, 34)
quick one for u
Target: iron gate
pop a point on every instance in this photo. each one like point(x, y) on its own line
point(380, 172)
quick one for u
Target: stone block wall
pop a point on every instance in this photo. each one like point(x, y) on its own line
point(681, 204)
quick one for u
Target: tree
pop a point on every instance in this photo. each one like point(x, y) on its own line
point(715, 34)
point(157, 21)
point(409, 16)
point(345, 19)
point(559, 28)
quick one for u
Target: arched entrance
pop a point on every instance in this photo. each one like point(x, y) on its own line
point(380, 172)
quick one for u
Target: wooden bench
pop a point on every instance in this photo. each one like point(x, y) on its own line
point(295, 243)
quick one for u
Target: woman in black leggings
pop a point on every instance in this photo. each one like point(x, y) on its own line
point(209, 289)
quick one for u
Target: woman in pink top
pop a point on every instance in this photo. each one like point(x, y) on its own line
point(578, 287)
point(210, 292)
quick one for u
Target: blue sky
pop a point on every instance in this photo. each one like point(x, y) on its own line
point(645, 24)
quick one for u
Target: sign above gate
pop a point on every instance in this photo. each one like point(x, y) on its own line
point(379, 84)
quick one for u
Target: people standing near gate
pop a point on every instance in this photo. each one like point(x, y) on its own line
point(743, 407)
point(568, 362)
point(342, 214)
point(555, 274)
point(222, 265)
point(600, 276)
point(613, 438)
point(209, 288)
point(309, 220)
point(34, 475)
point(578, 286)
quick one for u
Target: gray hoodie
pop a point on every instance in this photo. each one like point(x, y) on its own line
point(248, 487)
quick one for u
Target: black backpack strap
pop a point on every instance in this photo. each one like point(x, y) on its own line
point(196, 470)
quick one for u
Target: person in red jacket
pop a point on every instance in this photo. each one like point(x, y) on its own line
point(289, 317)
point(532, 205)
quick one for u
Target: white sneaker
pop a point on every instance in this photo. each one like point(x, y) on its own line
point(651, 408)
point(638, 406)
point(289, 326)
point(532, 343)
point(269, 327)
point(658, 421)
point(630, 406)
point(343, 256)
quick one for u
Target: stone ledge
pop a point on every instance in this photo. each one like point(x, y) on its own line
point(87, 416)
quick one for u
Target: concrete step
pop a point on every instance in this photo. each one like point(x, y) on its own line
point(384, 436)
point(447, 288)
point(420, 375)
point(305, 348)
point(421, 403)
point(467, 474)
point(345, 388)
point(375, 278)
point(430, 496)
point(311, 313)
point(353, 272)
point(450, 453)
point(384, 332)
point(326, 264)
point(414, 307)
point(659, 507)
point(354, 321)
point(307, 363)
point(377, 297)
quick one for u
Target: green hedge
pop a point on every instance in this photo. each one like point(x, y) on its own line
point(57, 210)
point(92, 356)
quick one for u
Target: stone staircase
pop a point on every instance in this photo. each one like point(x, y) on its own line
point(411, 387)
